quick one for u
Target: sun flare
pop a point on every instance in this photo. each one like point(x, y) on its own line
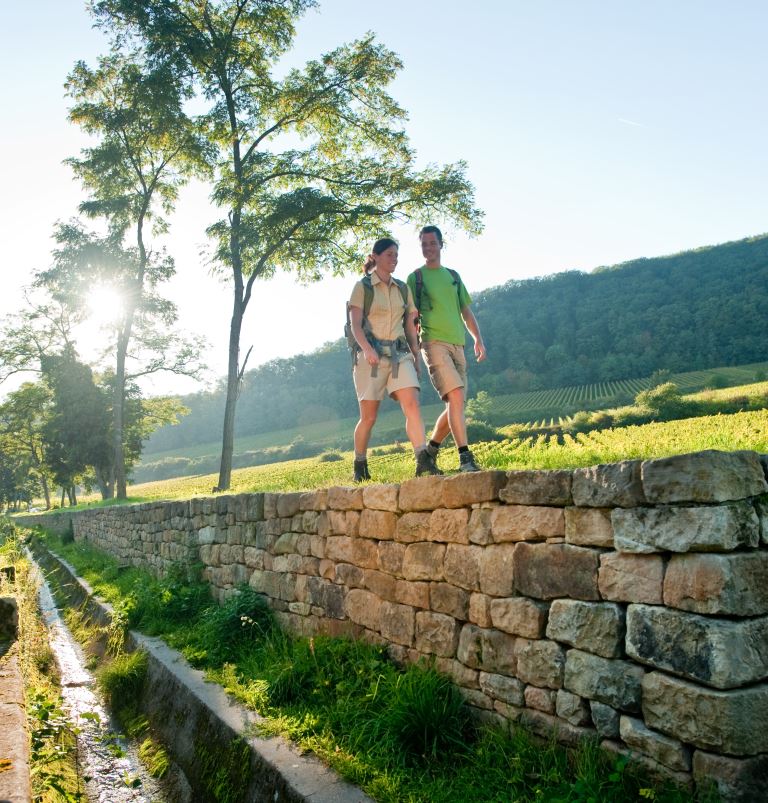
point(105, 305)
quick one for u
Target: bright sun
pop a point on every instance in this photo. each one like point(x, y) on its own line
point(105, 305)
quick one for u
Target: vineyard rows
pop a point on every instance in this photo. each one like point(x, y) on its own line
point(556, 399)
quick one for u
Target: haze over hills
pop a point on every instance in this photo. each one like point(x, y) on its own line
point(693, 310)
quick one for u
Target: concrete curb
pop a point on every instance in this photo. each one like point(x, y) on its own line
point(14, 743)
point(191, 715)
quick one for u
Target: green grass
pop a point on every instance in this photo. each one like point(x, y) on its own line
point(509, 408)
point(747, 430)
point(400, 734)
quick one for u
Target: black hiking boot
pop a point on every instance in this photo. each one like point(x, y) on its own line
point(425, 464)
point(467, 462)
point(361, 471)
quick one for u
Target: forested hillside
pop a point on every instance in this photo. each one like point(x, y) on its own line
point(697, 309)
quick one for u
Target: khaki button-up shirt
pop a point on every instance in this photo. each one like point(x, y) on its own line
point(385, 317)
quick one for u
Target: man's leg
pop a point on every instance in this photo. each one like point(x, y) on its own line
point(451, 419)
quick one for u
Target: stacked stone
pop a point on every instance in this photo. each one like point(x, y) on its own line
point(627, 600)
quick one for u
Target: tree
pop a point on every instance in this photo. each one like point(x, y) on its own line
point(83, 258)
point(307, 166)
point(77, 432)
point(147, 149)
point(22, 419)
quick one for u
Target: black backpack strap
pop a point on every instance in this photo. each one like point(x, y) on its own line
point(419, 282)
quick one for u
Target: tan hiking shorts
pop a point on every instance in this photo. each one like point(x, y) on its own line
point(373, 388)
point(447, 366)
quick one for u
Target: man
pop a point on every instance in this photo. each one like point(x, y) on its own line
point(443, 305)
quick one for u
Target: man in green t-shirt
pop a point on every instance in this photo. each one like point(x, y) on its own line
point(444, 308)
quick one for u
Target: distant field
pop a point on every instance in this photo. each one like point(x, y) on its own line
point(547, 406)
point(748, 430)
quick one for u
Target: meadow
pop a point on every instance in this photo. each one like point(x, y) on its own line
point(537, 409)
point(745, 430)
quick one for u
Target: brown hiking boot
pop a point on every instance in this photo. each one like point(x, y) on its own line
point(361, 471)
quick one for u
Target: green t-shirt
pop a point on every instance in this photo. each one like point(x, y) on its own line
point(441, 305)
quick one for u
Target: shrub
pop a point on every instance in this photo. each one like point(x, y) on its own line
point(242, 621)
point(478, 431)
point(329, 457)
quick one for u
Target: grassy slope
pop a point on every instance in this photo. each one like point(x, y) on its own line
point(747, 430)
point(517, 405)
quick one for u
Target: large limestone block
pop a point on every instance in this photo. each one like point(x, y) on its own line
point(519, 616)
point(667, 751)
point(480, 610)
point(761, 508)
point(589, 526)
point(540, 662)
point(537, 487)
point(488, 650)
point(463, 490)
point(686, 529)
point(737, 780)
point(596, 627)
point(480, 525)
point(436, 634)
point(358, 551)
point(735, 584)
point(421, 493)
point(605, 719)
point(540, 699)
point(288, 504)
point(497, 566)
point(733, 722)
point(445, 598)
point(501, 687)
point(546, 726)
point(462, 566)
point(412, 527)
point(381, 497)
point(449, 526)
point(721, 653)
point(610, 681)
point(526, 523)
point(547, 571)
point(382, 584)
point(608, 485)
point(572, 708)
point(391, 557)
point(314, 500)
point(397, 623)
point(345, 498)
point(379, 524)
point(363, 608)
point(708, 476)
point(624, 577)
point(423, 561)
point(415, 594)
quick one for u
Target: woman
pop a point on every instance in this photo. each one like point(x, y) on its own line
point(381, 314)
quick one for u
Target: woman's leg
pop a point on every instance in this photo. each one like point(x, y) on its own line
point(414, 424)
point(369, 410)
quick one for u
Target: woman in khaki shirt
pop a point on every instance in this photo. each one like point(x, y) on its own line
point(388, 359)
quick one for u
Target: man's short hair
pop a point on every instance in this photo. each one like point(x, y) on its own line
point(432, 230)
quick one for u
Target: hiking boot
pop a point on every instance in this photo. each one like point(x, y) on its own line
point(425, 464)
point(433, 450)
point(361, 471)
point(467, 462)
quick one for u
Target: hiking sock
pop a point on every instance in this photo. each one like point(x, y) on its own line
point(361, 458)
point(463, 449)
point(433, 447)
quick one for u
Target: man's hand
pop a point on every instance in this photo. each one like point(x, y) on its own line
point(480, 353)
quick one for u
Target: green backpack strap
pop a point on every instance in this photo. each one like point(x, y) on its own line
point(419, 282)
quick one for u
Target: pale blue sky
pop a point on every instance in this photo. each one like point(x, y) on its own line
point(595, 132)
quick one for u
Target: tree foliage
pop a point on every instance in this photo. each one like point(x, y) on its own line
point(308, 167)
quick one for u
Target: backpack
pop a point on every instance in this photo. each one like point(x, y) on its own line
point(367, 301)
point(419, 281)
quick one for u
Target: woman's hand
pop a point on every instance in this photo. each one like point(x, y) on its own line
point(371, 357)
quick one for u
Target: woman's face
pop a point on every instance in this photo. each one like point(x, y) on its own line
point(387, 259)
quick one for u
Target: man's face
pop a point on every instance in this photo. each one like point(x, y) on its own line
point(430, 247)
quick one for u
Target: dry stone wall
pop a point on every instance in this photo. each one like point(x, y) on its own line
point(627, 600)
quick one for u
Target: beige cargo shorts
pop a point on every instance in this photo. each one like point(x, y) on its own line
point(447, 366)
point(373, 388)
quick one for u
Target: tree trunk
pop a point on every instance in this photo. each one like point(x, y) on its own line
point(118, 424)
point(233, 390)
point(46, 491)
